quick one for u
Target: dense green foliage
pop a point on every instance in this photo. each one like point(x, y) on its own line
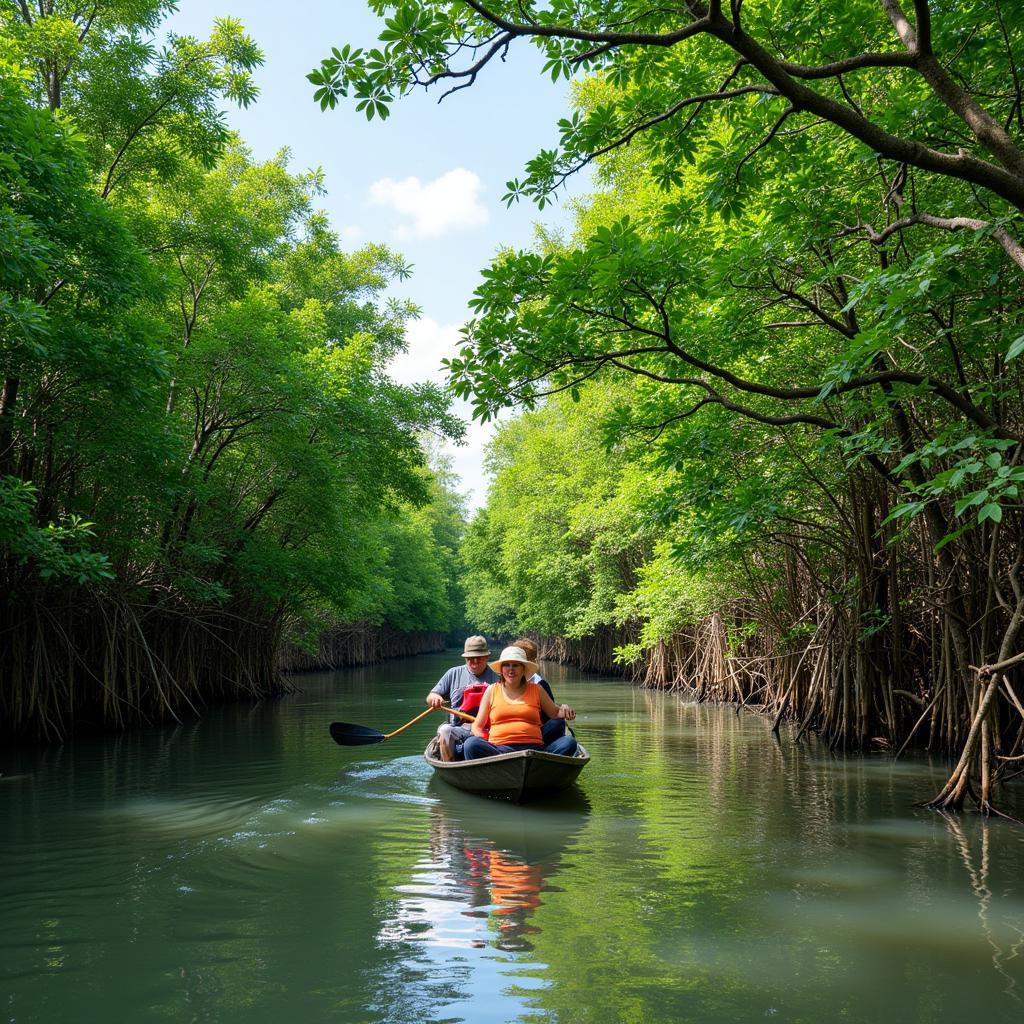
point(794, 310)
point(201, 454)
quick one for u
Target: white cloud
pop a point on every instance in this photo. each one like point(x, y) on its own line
point(430, 342)
point(352, 233)
point(428, 210)
point(468, 458)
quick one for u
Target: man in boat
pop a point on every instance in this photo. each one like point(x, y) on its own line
point(462, 681)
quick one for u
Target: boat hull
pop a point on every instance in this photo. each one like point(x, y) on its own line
point(520, 776)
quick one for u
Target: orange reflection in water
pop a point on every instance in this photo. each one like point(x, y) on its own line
point(511, 886)
point(492, 863)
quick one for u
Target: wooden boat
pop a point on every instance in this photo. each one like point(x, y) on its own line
point(520, 776)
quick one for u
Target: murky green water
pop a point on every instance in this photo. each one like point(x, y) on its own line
point(246, 868)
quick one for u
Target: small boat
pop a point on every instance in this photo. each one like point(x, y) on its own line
point(520, 776)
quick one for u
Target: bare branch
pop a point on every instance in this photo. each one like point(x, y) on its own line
point(637, 129)
point(924, 26)
point(1017, 106)
point(986, 671)
point(985, 128)
point(880, 378)
point(842, 67)
point(736, 7)
point(470, 73)
point(765, 141)
point(1010, 245)
point(694, 28)
point(54, 289)
point(657, 429)
point(88, 23)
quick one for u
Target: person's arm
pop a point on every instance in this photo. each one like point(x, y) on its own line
point(553, 710)
point(546, 687)
point(441, 692)
point(482, 722)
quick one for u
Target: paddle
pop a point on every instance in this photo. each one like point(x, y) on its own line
point(359, 735)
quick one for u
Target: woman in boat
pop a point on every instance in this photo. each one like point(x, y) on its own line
point(511, 710)
point(550, 728)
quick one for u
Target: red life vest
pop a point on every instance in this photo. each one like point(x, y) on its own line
point(471, 697)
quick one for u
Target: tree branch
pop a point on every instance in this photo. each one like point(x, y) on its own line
point(841, 67)
point(985, 128)
point(1010, 245)
point(471, 72)
point(765, 141)
point(880, 378)
point(694, 28)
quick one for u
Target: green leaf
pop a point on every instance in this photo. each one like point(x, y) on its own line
point(977, 498)
point(991, 511)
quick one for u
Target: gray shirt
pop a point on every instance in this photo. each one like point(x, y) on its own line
point(453, 684)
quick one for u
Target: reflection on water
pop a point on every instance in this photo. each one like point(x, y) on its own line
point(1006, 940)
point(245, 868)
point(488, 863)
point(473, 897)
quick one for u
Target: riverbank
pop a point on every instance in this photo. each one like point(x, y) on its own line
point(359, 643)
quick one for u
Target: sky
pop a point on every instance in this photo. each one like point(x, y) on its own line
point(427, 181)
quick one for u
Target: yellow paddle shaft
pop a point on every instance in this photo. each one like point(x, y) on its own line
point(451, 711)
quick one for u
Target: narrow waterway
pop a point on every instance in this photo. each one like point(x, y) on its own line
point(245, 868)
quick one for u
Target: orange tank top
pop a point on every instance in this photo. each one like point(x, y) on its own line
point(515, 721)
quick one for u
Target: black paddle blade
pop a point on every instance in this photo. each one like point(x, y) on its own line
point(354, 735)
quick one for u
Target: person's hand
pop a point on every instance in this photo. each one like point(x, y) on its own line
point(435, 700)
point(567, 712)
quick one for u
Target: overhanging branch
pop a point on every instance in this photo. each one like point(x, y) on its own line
point(1010, 245)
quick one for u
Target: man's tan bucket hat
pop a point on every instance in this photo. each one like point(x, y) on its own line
point(476, 647)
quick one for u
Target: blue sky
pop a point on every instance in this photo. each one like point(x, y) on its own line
point(427, 181)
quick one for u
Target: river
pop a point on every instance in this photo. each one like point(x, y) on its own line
point(245, 868)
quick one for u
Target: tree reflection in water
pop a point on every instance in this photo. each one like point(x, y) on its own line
point(1005, 938)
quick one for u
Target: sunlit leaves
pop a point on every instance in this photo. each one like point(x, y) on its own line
point(551, 551)
point(223, 424)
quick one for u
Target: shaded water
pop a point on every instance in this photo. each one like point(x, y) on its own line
point(246, 868)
